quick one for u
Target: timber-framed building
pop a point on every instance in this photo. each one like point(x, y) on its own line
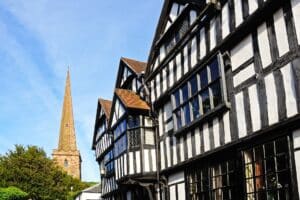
point(221, 95)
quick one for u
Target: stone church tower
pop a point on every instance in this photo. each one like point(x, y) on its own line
point(67, 155)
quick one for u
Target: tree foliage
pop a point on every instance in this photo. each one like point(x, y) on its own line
point(12, 193)
point(29, 169)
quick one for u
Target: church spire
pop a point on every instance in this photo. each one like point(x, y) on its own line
point(67, 138)
point(67, 156)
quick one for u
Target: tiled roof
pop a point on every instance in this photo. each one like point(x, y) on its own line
point(131, 100)
point(135, 65)
point(106, 105)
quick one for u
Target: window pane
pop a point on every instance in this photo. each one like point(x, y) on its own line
point(205, 101)
point(185, 93)
point(194, 85)
point(216, 92)
point(178, 118)
point(177, 98)
point(214, 69)
point(195, 108)
point(134, 138)
point(186, 110)
point(203, 78)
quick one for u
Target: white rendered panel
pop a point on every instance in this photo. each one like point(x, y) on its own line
point(202, 43)
point(226, 122)
point(174, 151)
point(162, 155)
point(296, 138)
point(197, 141)
point(212, 33)
point(225, 20)
point(243, 75)
point(153, 155)
point(238, 12)
point(242, 130)
point(181, 149)
point(194, 52)
point(242, 52)
point(289, 90)
point(254, 108)
point(131, 169)
point(178, 66)
point(193, 16)
point(272, 103)
point(138, 161)
point(297, 163)
point(206, 137)
point(264, 45)
point(216, 131)
point(164, 82)
point(171, 73)
point(128, 195)
point(146, 160)
point(152, 91)
point(186, 59)
point(157, 85)
point(281, 33)
point(189, 145)
point(160, 121)
point(125, 164)
point(162, 53)
point(172, 192)
point(253, 5)
point(181, 191)
point(168, 151)
point(296, 14)
point(173, 13)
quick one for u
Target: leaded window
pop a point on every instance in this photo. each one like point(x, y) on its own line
point(134, 138)
point(120, 129)
point(215, 182)
point(120, 145)
point(266, 171)
point(109, 162)
point(201, 94)
point(168, 118)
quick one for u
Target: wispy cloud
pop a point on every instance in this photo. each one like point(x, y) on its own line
point(39, 39)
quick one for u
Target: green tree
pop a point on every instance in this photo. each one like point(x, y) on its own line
point(29, 169)
point(12, 193)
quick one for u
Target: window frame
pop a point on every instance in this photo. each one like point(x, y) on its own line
point(200, 90)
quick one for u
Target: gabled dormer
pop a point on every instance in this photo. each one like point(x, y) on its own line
point(102, 138)
point(177, 19)
point(130, 74)
point(133, 135)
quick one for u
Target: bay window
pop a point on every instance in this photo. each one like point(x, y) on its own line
point(200, 95)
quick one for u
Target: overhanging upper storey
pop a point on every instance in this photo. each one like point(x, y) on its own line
point(130, 74)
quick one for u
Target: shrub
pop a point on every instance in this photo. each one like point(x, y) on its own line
point(12, 193)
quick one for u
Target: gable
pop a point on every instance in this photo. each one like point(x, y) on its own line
point(126, 73)
point(176, 19)
point(118, 111)
point(174, 12)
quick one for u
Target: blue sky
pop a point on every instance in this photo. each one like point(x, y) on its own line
point(39, 39)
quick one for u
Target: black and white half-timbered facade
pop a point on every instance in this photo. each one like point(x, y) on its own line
point(222, 89)
point(124, 138)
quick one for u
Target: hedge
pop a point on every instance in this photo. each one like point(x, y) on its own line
point(12, 193)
